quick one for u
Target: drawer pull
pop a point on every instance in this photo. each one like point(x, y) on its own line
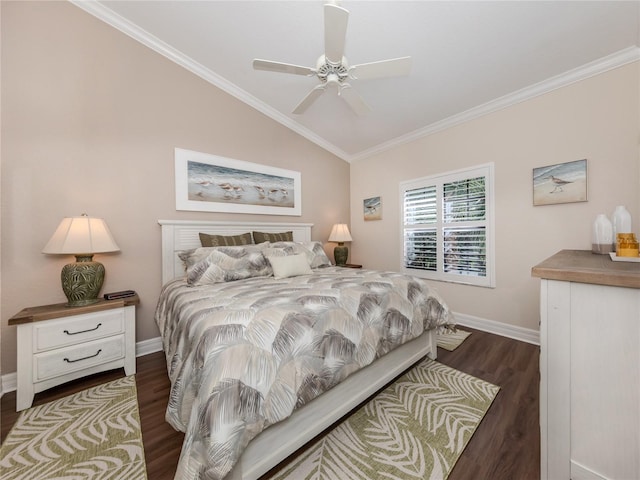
point(83, 358)
point(83, 331)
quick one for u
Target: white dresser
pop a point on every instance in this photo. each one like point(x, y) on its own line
point(589, 367)
point(58, 343)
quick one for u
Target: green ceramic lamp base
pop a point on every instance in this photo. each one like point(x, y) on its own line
point(82, 281)
point(340, 254)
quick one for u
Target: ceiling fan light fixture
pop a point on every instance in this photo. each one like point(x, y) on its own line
point(335, 73)
point(333, 80)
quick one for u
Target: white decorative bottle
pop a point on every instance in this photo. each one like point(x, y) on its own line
point(602, 235)
point(621, 220)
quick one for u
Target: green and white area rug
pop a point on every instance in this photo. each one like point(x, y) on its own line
point(93, 434)
point(416, 428)
point(451, 340)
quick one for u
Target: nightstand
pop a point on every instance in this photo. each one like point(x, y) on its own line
point(350, 265)
point(58, 343)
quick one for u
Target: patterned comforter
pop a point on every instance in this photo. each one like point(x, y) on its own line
point(243, 355)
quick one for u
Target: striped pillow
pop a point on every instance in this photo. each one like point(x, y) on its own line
point(207, 240)
point(261, 237)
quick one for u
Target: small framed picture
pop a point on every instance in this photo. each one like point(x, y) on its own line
point(560, 183)
point(372, 208)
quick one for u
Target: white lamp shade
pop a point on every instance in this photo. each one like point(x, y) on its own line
point(340, 233)
point(78, 235)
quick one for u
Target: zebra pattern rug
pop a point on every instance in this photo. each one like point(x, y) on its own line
point(451, 340)
point(416, 428)
point(93, 434)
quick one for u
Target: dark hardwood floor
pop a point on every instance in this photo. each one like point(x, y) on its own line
point(505, 446)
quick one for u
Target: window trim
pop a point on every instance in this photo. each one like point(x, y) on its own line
point(485, 170)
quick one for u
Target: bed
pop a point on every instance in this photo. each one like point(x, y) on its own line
point(187, 412)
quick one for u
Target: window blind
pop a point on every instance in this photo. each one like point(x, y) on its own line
point(446, 228)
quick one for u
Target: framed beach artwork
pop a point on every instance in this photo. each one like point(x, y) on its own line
point(209, 183)
point(372, 208)
point(560, 183)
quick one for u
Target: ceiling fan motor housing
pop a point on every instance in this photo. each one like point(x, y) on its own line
point(331, 73)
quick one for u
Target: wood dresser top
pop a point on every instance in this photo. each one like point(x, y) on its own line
point(585, 267)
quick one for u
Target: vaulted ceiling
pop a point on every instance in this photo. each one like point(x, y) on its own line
point(468, 57)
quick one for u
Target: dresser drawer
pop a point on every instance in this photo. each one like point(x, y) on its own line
point(77, 329)
point(78, 357)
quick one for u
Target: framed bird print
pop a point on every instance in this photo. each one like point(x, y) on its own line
point(372, 208)
point(208, 183)
point(560, 183)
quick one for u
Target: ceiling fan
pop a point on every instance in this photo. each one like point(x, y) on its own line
point(332, 68)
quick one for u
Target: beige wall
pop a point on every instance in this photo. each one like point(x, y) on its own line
point(596, 119)
point(90, 119)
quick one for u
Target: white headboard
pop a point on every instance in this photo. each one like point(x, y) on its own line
point(180, 235)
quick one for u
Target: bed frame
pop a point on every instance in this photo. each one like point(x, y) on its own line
point(279, 441)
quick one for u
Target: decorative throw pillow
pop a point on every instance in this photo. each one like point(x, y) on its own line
point(283, 249)
point(194, 255)
point(289, 266)
point(207, 240)
point(227, 264)
point(319, 258)
point(260, 237)
point(191, 257)
point(316, 255)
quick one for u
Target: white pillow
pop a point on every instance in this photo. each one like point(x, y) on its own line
point(290, 266)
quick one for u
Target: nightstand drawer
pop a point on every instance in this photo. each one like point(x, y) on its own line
point(71, 359)
point(77, 329)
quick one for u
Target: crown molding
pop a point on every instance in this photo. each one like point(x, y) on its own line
point(130, 29)
point(610, 62)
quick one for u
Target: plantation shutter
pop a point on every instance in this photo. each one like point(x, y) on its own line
point(420, 219)
point(464, 235)
point(447, 233)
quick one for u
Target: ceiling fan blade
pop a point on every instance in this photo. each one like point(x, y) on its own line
point(354, 100)
point(395, 67)
point(335, 32)
point(282, 67)
point(311, 97)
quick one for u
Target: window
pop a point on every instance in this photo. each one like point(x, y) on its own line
point(447, 228)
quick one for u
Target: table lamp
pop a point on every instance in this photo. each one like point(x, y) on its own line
point(340, 233)
point(81, 236)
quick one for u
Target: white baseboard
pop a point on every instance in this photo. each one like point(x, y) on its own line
point(491, 326)
point(9, 381)
point(145, 347)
